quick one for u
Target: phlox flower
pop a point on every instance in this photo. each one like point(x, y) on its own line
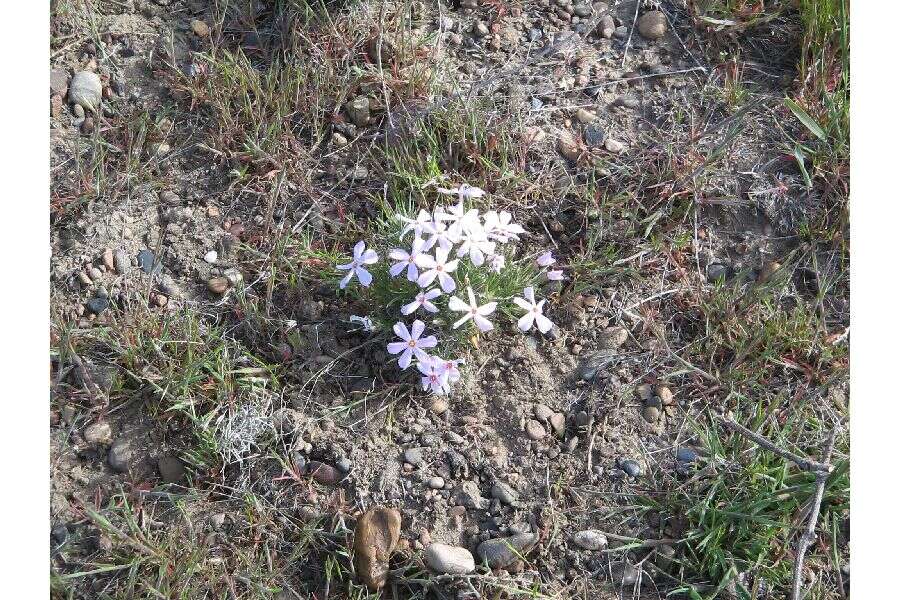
point(407, 260)
point(499, 226)
point(410, 344)
point(546, 259)
point(458, 218)
point(437, 267)
point(473, 311)
point(423, 223)
point(534, 312)
point(443, 235)
point(423, 299)
point(555, 275)
point(474, 243)
point(361, 257)
point(450, 368)
point(463, 191)
point(496, 262)
point(434, 376)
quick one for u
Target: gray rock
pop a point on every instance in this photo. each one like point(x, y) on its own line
point(620, 32)
point(624, 574)
point(542, 412)
point(535, 35)
point(344, 465)
point(85, 90)
point(171, 468)
point(627, 101)
point(594, 135)
point(590, 539)
point(583, 10)
point(446, 559)
point(593, 363)
point(607, 26)
point(504, 493)
point(123, 454)
point(413, 456)
point(717, 272)
point(97, 305)
point(535, 430)
point(686, 455)
point(558, 423)
point(98, 433)
point(480, 30)
point(59, 82)
point(469, 496)
point(652, 25)
point(147, 261)
point(614, 146)
point(664, 556)
point(217, 521)
point(612, 337)
point(358, 110)
point(651, 414)
point(436, 483)
point(631, 467)
point(503, 552)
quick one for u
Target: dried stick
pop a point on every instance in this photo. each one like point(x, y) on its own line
point(809, 535)
point(804, 463)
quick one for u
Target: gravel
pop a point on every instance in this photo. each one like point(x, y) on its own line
point(85, 90)
point(590, 539)
point(503, 552)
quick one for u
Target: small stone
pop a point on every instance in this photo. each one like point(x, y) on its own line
point(613, 146)
point(146, 260)
point(686, 455)
point(344, 465)
point(358, 111)
point(233, 276)
point(535, 430)
point(768, 270)
point(413, 456)
point(716, 272)
point(338, 140)
point(583, 10)
point(585, 116)
point(620, 32)
point(665, 554)
point(98, 433)
point(644, 391)
point(504, 493)
point(627, 102)
point(558, 423)
point(171, 468)
point(568, 146)
point(450, 560)
point(542, 412)
point(86, 90)
point(56, 106)
point(652, 25)
point(121, 262)
point(122, 454)
point(59, 83)
point(594, 135)
point(624, 574)
point(324, 473)
point(438, 405)
point(590, 539)
point(109, 259)
point(664, 394)
point(436, 483)
point(218, 285)
point(606, 27)
point(612, 338)
point(375, 538)
point(211, 257)
point(217, 521)
point(200, 28)
point(95, 273)
point(97, 305)
point(631, 467)
point(160, 300)
point(503, 552)
point(169, 197)
point(87, 126)
point(651, 414)
point(480, 30)
point(469, 496)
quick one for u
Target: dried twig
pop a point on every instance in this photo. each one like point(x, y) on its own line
point(804, 463)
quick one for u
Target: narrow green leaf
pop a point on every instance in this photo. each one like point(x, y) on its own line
point(805, 118)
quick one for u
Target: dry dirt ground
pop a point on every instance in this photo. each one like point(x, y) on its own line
point(203, 362)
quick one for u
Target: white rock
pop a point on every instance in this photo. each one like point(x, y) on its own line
point(211, 257)
point(590, 539)
point(86, 90)
point(443, 558)
point(614, 146)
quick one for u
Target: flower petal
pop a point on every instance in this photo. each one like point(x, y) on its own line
point(523, 304)
point(487, 309)
point(483, 324)
point(365, 278)
point(529, 294)
point(543, 323)
point(412, 273)
point(429, 307)
point(369, 257)
point(417, 329)
point(398, 254)
point(397, 347)
point(432, 294)
point(526, 321)
point(457, 304)
point(465, 318)
point(397, 268)
point(358, 249)
point(427, 342)
point(401, 330)
point(405, 358)
point(346, 279)
point(426, 278)
point(410, 308)
point(447, 283)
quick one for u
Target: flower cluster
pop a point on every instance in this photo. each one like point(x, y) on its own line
point(441, 239)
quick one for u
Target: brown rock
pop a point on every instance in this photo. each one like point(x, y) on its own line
point(768, 270)
point(87, 126)
point(613, 337)
point(218, 285)
point(56, 106)
point(652, 25)
point(535, 430)
point(568, 146)
point(664, 394)
point(109, 259)
point(200, 28)
point(374, 540)
point(607, 26)
point(558, 422)
point(651, 414)
point(324, 473)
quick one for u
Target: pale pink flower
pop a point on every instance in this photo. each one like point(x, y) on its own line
point(434, 377)
point(556, 275)
point(450, 368)
point(546, 259)
point(410, 343)
point(496, 262)
point(499, 226)
point(443, 236)
point(361, 257)
point(407, 260)
point(473, 311)
point(458, 218)
point(423, 300)
point(438, 267)
point(534, 311)
point(423, 223)
point(474, 243)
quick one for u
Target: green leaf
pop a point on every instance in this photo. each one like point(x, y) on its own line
point(801, 162)
point(805, 118)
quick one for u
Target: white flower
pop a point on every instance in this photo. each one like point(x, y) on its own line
point(459, 218)
point(437, 267)
point(463, 191)
point(556, 275)
point(450, 368)
point(473, 311)
point(361, 257)
point(411, 344)
point(474, 243)
point(546, 259)
point(497, 262)
point(443, 236)
point(434, 377)
point(422, 223)
point(407, 260)
point(423, 299)
point(534, 312)
point(500, 226)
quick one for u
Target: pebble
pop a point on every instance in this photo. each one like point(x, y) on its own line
point(568, 146)
point(480, 30)
point(87, 126)
point(620, 32)
point(344, 465)
point(121, 262)
point(438, 406)
point(324, 473)
point(590, 539)
point(121, 455)
point(612, 338)
point(200, 28)
point(338, 140)
point(217, 521)
point(664, 556)
point(98, 433)
point(504, 493)
point(624, 574)
point(594, 135)
point(171, 468)
point(585, 116)
point(56, 106)
point(109, 259)
point(59, 82)
point(644, 391)
point(768, 270)
point(146, 260)
point(85, 90)
point(503, 552)
point(652, 25)
point(613, 146)
point(358, 111)
point(583, 10)
point(413, 456)
point(627, 101)
point(651, 414)
point(535, 430)
point(686, 455)
point(436, 483)
point(97, 305)
point(558, 423)
point(375, 538)
point(95, 273)
point(607, 27)
point(631, 467)
point(542, 412)
point(664, 394)
point(716, 272)
point(451, 560)
point(211, 257)
point(218, 285)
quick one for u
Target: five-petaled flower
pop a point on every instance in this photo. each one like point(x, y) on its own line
point(361, 257)
point(407, 260)
point(411, 344)
point(555, 275)
point(434, 376)
point(534, 311)
point(423, 223)
point(463, 191)
point(475, 244)
point(499, 226)
point(546, 259)
point(473, 311)
point(423, 300)
point(437, 267)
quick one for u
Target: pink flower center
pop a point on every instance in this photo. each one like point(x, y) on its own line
point(439, 268)
point(474, 311)
point(412, 343)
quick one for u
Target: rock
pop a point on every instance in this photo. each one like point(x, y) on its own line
point(95, 274)
point(768, 270)
point(651, 414)
point(607, 27)
point(59, 83)
point(438, 405)
point(620, 32)
point(217, 521)
point(171, 468)
point(558, 423)
point(613, 146)
point(98, 433)
point(97, 305)
point(664, 556)
point(375, 538)
point(612, 338)
point(716, 272)
point(218, 285)
point(503, 552)
point(344, 465)
point(108, 259)
point(211, 257)
point(338, 140)
point(480, 30)
point(121, 262)
point(590, 539)
point(504, 493)
point(623, 574)
point(358, 111)
point(449, 560)
point(413, 456)
point(86, 90)
point(146, 261)
point(56, 106)
point(664, 394)
point(686, 455)
point(536, 103)
point(631, 467)
point(627, 101)
point(542, 412)
point(644, 391)
point(469, 496)
point(583, 10)
point(652, 25)
point(233, 276)
point(436, 483)
point(87, 126)
point(568, 146)
point(60, 534)
point(200, 28)
point(535, 430)
point(585, 116)
point(533, 135)
point(324, 473)
point(122, 455)
point(594, 135)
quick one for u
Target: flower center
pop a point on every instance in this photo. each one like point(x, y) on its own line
point(474, 311)
point(439, 268)
point(534, 310)
point(412, 343)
